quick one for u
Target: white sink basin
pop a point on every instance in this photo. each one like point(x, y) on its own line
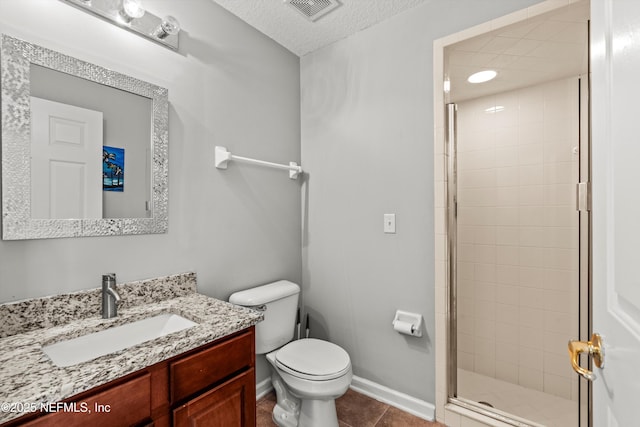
point(87, 347)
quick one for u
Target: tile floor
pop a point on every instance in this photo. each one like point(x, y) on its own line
point(354, 410)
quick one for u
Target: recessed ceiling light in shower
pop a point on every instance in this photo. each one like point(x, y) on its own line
point(482, 76)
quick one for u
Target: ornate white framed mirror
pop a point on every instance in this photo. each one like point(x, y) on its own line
point(84, 148)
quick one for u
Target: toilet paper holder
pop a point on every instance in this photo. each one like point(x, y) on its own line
point(408, 323)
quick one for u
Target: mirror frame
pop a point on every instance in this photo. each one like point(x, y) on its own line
point(16, 56)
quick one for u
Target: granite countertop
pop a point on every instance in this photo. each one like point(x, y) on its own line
point(27, 375)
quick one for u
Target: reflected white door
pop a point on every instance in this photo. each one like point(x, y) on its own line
point(616, 208)
point(66, 161)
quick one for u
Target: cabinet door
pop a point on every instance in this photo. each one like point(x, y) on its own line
point(232, 404)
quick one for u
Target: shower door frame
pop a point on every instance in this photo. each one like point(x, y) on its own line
point(447, 404)
point(584, 254)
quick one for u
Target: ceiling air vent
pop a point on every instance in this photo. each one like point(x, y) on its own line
point(313, 9)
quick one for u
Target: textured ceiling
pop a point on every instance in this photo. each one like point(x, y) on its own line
point(541, 49)
point(285, 25)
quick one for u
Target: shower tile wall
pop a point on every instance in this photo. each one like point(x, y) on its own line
point(517, 236)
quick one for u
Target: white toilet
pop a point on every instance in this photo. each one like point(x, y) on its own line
point(308, 374)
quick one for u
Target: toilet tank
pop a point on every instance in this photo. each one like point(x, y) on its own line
point(279, 303)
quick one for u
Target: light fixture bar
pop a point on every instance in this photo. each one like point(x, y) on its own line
point(147, 25)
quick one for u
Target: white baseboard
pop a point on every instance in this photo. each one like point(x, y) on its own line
point(263, 388)
point(410, 404)
point(417, 407)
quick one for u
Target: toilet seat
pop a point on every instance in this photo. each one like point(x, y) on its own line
point(313, 359)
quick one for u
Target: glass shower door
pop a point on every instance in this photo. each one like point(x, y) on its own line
point(515, 163)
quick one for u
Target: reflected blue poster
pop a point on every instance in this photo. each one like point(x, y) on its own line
point(112, 168)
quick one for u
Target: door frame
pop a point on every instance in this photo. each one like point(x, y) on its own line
point(449, 410)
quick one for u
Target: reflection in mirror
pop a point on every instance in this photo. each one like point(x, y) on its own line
point(84, 148)
point(110, 117)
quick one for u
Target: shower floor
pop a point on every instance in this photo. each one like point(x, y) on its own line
point(541, 408)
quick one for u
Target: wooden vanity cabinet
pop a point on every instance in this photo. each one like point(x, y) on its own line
point(213, 385)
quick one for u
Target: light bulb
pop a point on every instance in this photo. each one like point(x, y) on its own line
point(131, 9)
point(168, 27)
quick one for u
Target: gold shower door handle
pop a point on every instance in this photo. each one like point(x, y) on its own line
point(594, 348)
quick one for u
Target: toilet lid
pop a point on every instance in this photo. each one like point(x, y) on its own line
point(313, 359)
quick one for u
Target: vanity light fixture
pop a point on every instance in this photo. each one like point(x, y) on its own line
point(131, 15)
point(482, 76)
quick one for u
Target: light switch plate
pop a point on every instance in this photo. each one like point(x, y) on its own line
point(390, 223)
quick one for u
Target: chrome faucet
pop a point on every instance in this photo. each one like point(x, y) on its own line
point(110, 297)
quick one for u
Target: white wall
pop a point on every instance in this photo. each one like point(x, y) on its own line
point(367, 143)
point(228, 85)
point(518, 236)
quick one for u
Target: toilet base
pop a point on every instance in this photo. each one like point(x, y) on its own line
point(283, 418)
point(318, 413)
point(292, 411)
point(287, 409)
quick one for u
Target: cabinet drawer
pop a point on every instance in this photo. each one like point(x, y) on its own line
point(200, 370)
point(125, 404)
point(231, 404)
